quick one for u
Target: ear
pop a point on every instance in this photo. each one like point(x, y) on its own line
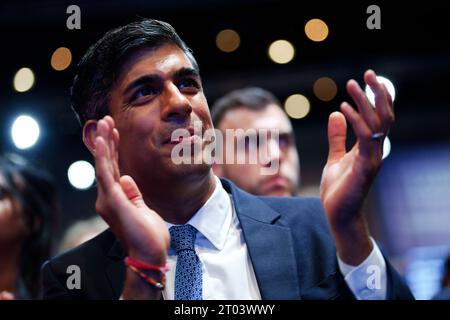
point(89, 135)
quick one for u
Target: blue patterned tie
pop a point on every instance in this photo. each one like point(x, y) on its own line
point(188, 275)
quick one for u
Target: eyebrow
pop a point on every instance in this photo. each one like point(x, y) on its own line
point(186, 72)
point(183, 72)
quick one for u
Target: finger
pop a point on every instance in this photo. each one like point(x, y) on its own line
point(110, 197)
point(131, 190)
point(111, 200)
point(390, 102)
point(104, 131)
point(113, 140)
point(391, 115)
point(116, 138)
point(367, 112)
point(110, 125)
point(99, 171)
point(104, 174)
point(362, 131)
point(337, 135)
point(383, 107)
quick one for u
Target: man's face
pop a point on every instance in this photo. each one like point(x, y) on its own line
point(157, 92)
point(249, 176)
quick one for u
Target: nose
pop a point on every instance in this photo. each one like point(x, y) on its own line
point(175, 106)
point(274, 152)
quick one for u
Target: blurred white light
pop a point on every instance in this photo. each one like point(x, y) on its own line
point(297, 106)
point(390, 87)
point(386, 147)
point(24, 132)
point(23, 80)
point(281, 51)
point(81, 174)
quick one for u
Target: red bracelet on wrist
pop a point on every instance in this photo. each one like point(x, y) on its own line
point(142, 265)
point(155, 283)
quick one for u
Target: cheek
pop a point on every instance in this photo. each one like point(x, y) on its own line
point(137, 145)
point(136, 128)
point(200, 107)
point(292, 165)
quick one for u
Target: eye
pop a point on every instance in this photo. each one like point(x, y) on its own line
point(143, 93)
point(285, 141)
point(189, 85)
point(251, 142)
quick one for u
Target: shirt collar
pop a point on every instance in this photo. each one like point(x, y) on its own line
point(213, 219)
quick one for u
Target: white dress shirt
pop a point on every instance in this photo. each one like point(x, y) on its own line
point(227, 269)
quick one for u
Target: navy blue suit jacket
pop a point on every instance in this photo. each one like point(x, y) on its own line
point(288, 240)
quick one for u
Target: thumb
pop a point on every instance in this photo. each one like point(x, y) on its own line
point(131, 190)
point(337, 135)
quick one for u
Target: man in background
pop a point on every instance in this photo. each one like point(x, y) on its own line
point(256, 108)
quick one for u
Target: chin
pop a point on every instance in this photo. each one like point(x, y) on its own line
point(184, 170)
point(276, 192)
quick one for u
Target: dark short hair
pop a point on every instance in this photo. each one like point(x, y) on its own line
point(100, 66)
point(252, 98)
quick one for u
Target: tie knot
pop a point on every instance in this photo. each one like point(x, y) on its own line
point(183, 237)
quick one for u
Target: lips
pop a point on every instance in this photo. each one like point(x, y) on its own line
point(276, 180)
point(275, 186)
point(187, 136)
point(190, 139)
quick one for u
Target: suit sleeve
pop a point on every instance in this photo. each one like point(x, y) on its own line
point(368, 281)
point(396, 286)
point(52, 287)
point(375, 279)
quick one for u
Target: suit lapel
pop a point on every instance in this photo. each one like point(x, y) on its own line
point(269, 245)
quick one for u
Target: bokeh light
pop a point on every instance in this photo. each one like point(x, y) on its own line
point(325, 89)
point(81, 174)
point(228, 40)
point(297, 106)
point(61, 59)
point(281, 51)
point(23, 80)
point(25, 132)
point(316, 30)
point(389, 85)
point(386, 147)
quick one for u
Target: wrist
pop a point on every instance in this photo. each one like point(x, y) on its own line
point(352, 240)
point(156, 259)
point(136, 288)
point(144, 280)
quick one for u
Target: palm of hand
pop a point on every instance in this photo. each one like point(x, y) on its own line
point(345, 183)
point(141, 230)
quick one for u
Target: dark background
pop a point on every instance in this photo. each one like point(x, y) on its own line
point(409, 207)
